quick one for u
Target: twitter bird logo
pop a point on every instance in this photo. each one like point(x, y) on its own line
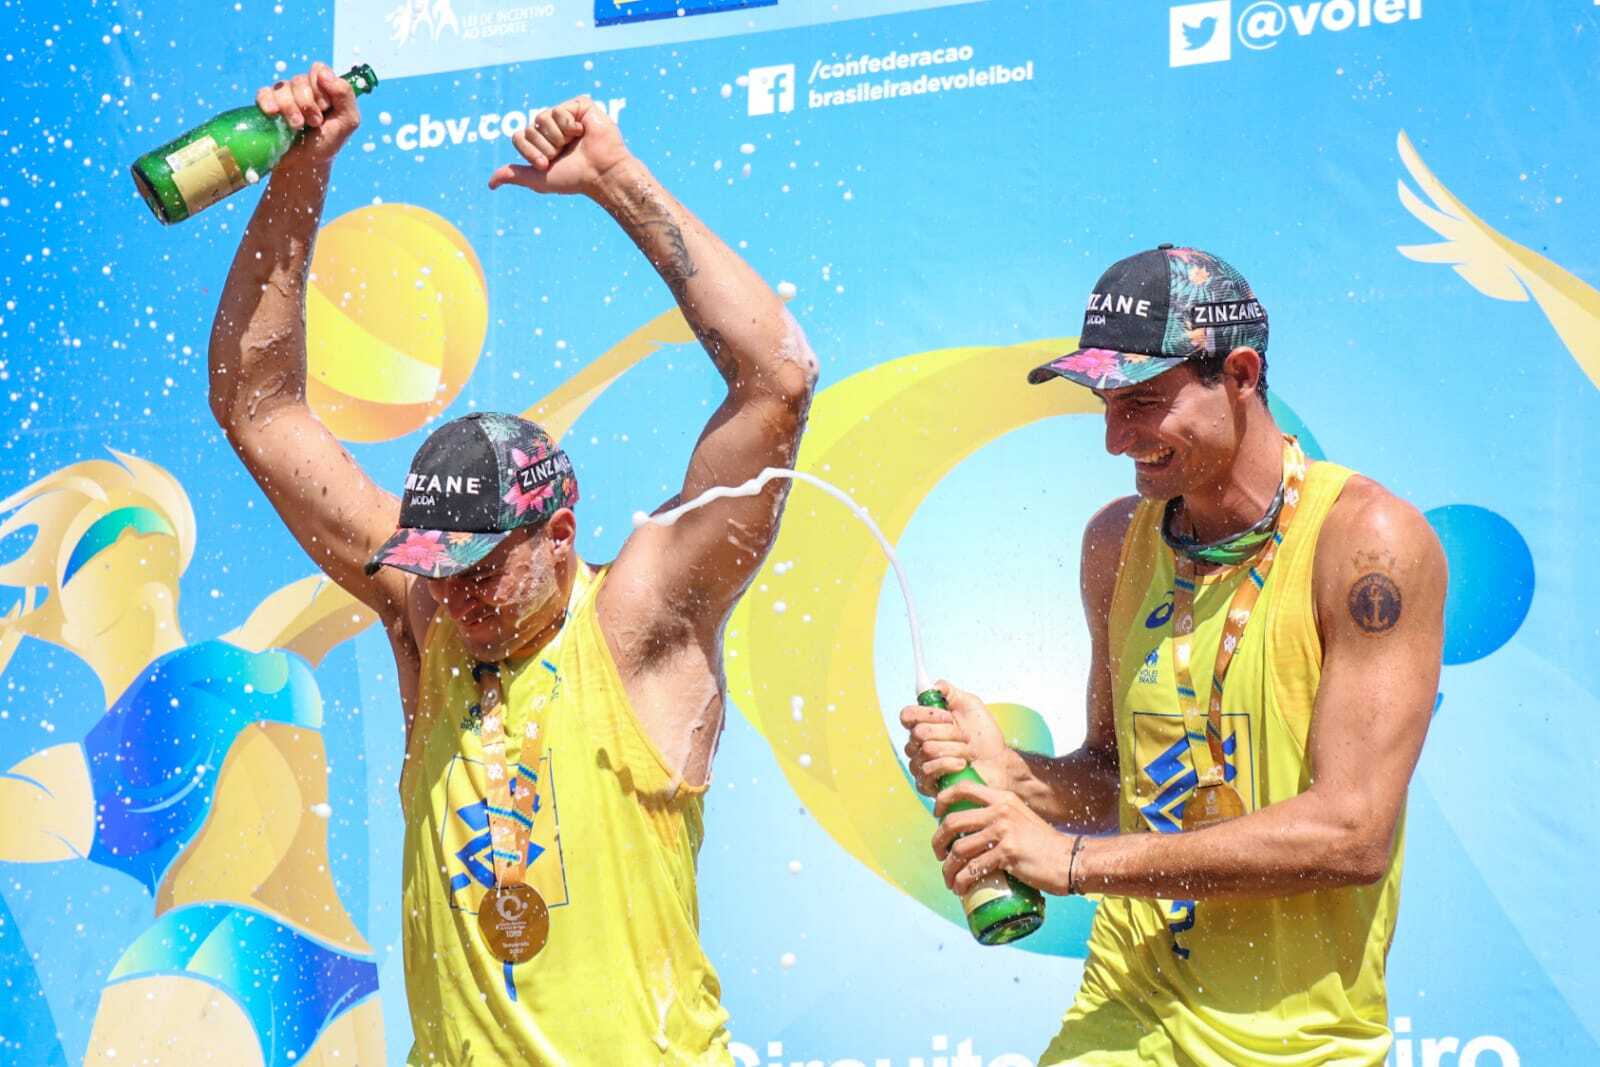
point(1199, 32)
point(1200, 35)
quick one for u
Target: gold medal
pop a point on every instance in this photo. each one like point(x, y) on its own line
point(1210, 805)
point(514, 922)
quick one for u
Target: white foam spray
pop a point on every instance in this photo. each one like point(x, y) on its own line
point(760, 482)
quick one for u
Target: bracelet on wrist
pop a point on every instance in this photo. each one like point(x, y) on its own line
point(1072, 864)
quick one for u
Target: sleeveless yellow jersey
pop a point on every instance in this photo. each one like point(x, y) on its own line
point(622, 979)
point(1288, 981)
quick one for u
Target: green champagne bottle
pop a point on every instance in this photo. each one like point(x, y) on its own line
point(218, 158)
point(999, 909)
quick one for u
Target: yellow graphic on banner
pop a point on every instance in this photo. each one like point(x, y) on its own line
point(310, 617)
point(396, 314)
point(1499, 267)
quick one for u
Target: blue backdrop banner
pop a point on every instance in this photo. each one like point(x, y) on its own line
point(934, 185)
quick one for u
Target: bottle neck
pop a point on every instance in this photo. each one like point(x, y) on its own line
point(361, 78)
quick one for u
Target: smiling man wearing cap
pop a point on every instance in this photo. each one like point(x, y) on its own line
point(560, 717)
point(1266, 637)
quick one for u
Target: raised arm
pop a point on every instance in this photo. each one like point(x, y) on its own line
point(258, 357)
point(1078, 789)
point(692, 572)
point(1379, 589)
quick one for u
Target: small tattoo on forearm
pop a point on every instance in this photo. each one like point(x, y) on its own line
point(275, 385)
point(716, 347)
point(1375, 603)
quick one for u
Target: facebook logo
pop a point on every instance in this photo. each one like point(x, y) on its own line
point(617, 12)
point(1201, 33)
point(771, 89)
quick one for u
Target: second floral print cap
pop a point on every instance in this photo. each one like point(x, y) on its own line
point(474, 481)
point(1152, 311)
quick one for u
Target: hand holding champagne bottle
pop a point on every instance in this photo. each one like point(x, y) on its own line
point(954, 732)
point(306, 118)
point(947, 747)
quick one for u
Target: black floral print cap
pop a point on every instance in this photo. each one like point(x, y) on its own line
point(1152, 311)
point(474, 481)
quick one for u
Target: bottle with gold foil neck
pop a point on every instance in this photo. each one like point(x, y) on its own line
point(221, 156)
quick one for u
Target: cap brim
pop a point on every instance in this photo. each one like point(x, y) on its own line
point(1104, 368)
point(434, 553)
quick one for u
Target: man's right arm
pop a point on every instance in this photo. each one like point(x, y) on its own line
point(1078, 789)
point(258, 360)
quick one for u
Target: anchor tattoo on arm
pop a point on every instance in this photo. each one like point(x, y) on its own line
point(1375, 601)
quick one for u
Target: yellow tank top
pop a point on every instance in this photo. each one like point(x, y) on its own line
point(622, 979)
point(1289, 980)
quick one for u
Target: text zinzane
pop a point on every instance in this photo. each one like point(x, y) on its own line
point(1227, 313)
point(449, 485)
point(549, 469)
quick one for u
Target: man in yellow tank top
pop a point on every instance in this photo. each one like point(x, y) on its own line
point(1266, 639)
point(560, 718)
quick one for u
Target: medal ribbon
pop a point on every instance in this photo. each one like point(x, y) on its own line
point(1210, 768)
point(512, 795)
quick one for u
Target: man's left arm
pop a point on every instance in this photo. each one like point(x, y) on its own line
point(671, 588)
point(696, 569)
point(1379, 592)
point(701, 564)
